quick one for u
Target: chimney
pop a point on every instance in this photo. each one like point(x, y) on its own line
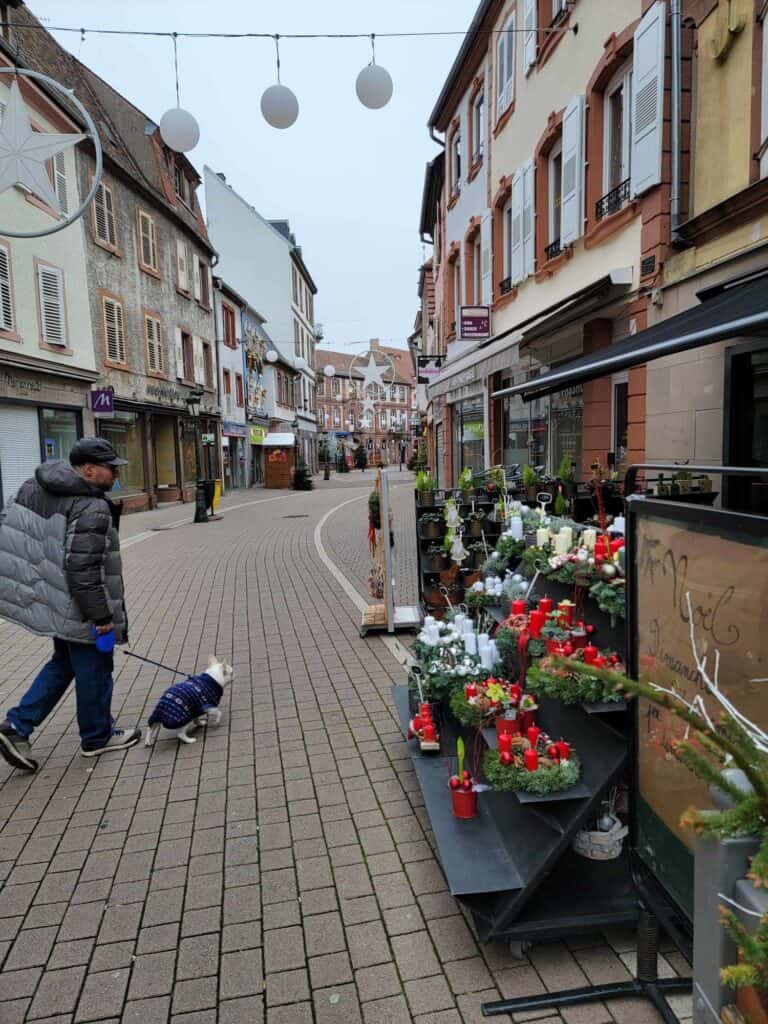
point(373, 344)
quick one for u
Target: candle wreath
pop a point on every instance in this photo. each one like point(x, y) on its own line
point(541, 767)
point(574, 685)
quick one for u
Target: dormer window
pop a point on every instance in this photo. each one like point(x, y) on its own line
point(184, 188)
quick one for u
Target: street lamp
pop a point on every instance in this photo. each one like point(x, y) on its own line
point(194, 402)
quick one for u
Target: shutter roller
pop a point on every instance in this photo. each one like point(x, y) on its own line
point(516, 269)
point(182, 264)
point(6, 297)
point(529, 219)
point(529, 46)
point(60, 182)
point(51, 295)
point(114, 332)
point(486, 262)
point(572, 210)
point(648, 99)
point(179, 347)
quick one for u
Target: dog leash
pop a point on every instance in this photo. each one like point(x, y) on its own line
point(157, 664)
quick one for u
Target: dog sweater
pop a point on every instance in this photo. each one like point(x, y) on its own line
point(183, 702)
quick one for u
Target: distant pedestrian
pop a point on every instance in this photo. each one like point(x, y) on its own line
point(61, 576)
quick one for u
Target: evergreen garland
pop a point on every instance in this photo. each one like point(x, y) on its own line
point(570, 687)
point(611, 598)
point(548, 778)
point(468, 714)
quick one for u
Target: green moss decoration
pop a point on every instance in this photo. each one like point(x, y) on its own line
point(570, 687)
point(548, 779)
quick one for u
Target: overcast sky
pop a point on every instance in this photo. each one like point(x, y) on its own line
point(349, 179)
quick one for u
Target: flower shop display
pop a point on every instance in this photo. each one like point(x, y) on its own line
point(423, 728)
point(462, 787)
point(558, 676)
point(425, 488)
point(483, 701)
point(533, 763)
point(432, 526)
point(435, 558)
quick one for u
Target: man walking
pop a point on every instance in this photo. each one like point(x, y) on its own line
point(61, 576)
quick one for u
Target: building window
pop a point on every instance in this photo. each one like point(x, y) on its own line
point(228, 321)
point(227, 378)
point(620, 420)
point(506, 226)
point(295, 285)
point(183, 185)
point(104, 217)
point(336, 385)
point(457, 294)
point(204, 287)
point(208, 364)
point(558, 6)
point(402, 393)
point(296, 338)
point(477, 271)
point(188, 356)
point(239, 394)
point(505, 67)
point(336, 416)
point(182, 266)
point(555, 197)
point(617, 107)
point(50, 294)
point(383, 420)
point(147, 243)
point(7, 315)
point(456, 164)
point(154, 342)
point(114, 329)
point(478, 127)
point(763, 150)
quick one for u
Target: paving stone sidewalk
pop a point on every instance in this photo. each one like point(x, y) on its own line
point(278, 870)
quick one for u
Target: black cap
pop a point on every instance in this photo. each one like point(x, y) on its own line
point(96, 450)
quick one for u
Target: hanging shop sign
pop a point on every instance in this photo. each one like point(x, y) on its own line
point(475, 322)
point(102, 402)
point(257, 435)
point(428, 369)
point(208, 439)
point(25, 152)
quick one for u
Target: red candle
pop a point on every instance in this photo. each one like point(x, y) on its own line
point(417, 723)
point(600, 662)
point(425, 710)
point(616, 545)
point(545, 605)
point(505, 743)
point(531, 759)
point(429, 732)
point(533, 734)
point(563, 749)
point(470, 690)
point(566, 612)
point(606, 544)
point(590, 653)
point(518, 607)
point(536, 621)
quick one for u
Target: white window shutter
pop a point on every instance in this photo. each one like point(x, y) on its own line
point(516, 270)
point(501, 74)
point(50, 284)
point(199, 360)
point(572, 209)
point(6, 298)
point(196, 275)
point(114, 331)
point(648, 99)
point(529, 218)
point(60, 182)
point(182, 264)
point(179, 346)
point(486, 261)
point(529, 45)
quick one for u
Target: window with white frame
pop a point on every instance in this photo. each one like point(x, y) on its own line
point(104, 216)
point(383, 420)
point(478, 126)
point(114, 329)
point(505, 66)
point(456, 163)
point(477, 271)
point(558, 6)
point(50, 291)
point(617, 109)
point(7, 315)
point(336, 387)
point(457, 293)
point(555, 191)
point(336, 416)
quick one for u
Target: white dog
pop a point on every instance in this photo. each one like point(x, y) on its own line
point(190, 703)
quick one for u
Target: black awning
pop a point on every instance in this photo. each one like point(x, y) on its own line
point(730, 311)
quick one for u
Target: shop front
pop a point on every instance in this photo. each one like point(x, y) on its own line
point(233, 454)
point(468, 421)
point(256, 435)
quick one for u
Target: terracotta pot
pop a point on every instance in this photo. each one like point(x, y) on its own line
point(507, 726)
point(752, 1003)
point(464, 803)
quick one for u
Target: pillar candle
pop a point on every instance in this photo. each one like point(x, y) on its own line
point(531, 759)
point(470, 690)
point(590, 653)
point(566, 612)
point(505, 743)
point(566, 532)
point(535, 622)
point(559, 544)
point(532, 734)
point(542, 538)
point(545, 605)
point(458, 622)
point(563, 750)
point(616, 545)
point(469, 625)
point(486, 658)
point(470, 643)
point(429, 732)
point(516, 527)
point(518, 607)
point(429, 620)
point(589, 539)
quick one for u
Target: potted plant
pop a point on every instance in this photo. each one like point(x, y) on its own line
point(475, 523)
point(495, 480)
point(566, 474)
point(435, 559)
point(531, 482)
point(463, 795)
point(425, 488)
point(432, 525)
point(476, 553)
point(466, 483)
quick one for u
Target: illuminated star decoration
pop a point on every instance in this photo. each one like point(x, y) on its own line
point(24, 152)
point(372, 373)
point(368, 405)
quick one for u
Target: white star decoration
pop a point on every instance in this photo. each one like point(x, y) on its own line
point(372, 373)
point(368, 405)
point(24, 152)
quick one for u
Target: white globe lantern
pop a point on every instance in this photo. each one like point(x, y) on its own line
point(279, 106)
point(329, 370)
point(179, 130)
point(272, 356)
point(374, 87)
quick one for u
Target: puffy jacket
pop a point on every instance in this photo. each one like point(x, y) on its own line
point(60, 565)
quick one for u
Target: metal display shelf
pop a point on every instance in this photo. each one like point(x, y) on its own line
point(513, 866)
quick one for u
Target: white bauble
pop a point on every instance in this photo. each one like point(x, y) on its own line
point(374, 87)
point(279, 106)
point(179, 130)
point(329, 370)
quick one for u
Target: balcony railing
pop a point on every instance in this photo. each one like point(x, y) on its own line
point(553, 249)
point(612, 201)
point(505, 285)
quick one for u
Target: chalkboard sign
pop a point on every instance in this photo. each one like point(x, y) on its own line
point(720, 559)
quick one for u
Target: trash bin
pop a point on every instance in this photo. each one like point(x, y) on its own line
point(209, 487)
point(216, 494)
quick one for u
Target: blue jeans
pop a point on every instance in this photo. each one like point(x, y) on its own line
point(92, 672)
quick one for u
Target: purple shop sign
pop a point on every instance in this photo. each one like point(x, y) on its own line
point(103, 402)
point(475, 322)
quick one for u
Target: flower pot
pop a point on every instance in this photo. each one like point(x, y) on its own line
point(464, 803)
point(476, 528)
point(753, 1003)
point(531, 492)
point(432, 531)
point(435, 563)
point(526, 720)
point(426, 498)
point(507, 726)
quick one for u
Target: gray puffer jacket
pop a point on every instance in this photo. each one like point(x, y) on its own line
point(60, 565)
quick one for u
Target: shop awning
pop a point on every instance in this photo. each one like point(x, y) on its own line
point(279, 441)
point(730, 310)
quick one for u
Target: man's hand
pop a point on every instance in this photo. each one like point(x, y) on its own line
point(100, 630)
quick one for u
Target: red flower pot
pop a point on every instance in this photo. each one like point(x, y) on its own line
point(510, 726)
point(464, 803)
point(554, 646)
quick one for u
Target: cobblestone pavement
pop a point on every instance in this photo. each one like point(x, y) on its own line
point(280, 868)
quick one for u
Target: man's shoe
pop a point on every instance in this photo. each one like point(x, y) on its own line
point(120, 739)
point(15, 748)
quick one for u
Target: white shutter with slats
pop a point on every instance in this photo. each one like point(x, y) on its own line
point(60, 182)
point(148, 241)
point(486, 261)
point(114, 330)
point(572, 207)
point(182, 265)
point(178, 345)
point(648, 99)
point(50, 284)
point(516, 269)
point(501, 74)
point(529, 218)
point(529, 44)
point(154, 344)
point(104, 215)
point(196, 275)
point(199, 360)
point(7, 321)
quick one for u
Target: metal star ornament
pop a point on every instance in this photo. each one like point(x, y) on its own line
point(368, 405)
point(372, 373)
point(24, 152)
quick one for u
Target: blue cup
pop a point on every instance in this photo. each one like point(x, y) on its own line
point(105, 642)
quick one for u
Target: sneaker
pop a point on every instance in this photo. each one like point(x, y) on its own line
point(120, 739)
point(15, 748)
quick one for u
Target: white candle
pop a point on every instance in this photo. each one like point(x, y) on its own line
point(470, 643)
point(517, 527)
point(486, 658)
point(589, 539)
point(494, 652)
point(434, 632)
point(567, 533)
point(429, 620)
point(483, 639)
point(458, 622)
point(542, 538)
point(469, 625)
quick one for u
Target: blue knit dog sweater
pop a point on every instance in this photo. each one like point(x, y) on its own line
point(183, 702)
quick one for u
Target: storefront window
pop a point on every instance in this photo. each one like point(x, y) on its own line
point(60, 430)
point(165, 450)
point(515, 427)
point(566, 409)
point(620, 423)
point(747, 396)
point(539, 440)
point(468, 436)
point(126, 434)
point(188, 467)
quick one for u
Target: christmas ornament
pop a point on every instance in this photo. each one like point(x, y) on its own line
point(179, 130)
point(279, 106)
point(374, 87)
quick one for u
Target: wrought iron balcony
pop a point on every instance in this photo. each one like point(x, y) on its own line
point(612, 201)
point(505, 285)
point(553, 249)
